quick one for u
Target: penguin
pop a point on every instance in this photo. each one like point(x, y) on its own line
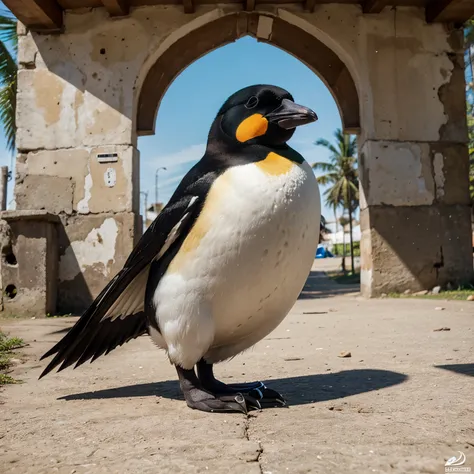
point(223, 263)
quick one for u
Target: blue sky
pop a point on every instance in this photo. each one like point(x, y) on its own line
point(191, 102)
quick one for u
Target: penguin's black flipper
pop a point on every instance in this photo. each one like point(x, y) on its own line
point(117, 314)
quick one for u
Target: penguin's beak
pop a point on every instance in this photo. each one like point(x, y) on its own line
point(290, 115)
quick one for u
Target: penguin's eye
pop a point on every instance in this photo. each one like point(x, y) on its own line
point(252, 102)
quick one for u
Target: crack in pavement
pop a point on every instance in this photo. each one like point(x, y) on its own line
point(260, 446)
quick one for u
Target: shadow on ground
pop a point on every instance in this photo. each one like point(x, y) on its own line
point(463, 369)
point(61, 331)
point(318, 285)
point(296, 390)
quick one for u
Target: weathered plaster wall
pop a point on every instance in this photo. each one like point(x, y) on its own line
point(92, 249)
point(413, 154)
point(28, 262)
point(414, 168)
point(79, 92)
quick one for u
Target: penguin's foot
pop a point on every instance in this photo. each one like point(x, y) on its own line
point(201, 399)
point(266, 397)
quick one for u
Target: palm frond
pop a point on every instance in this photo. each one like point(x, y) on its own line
point(8, 78)
point(333, 195)
point(323, 166)
point(8, 32)
point(7, 112)
point(8, 66)
point(354, 185)
point(329, 178)
point(323, 142)
point(323, 180)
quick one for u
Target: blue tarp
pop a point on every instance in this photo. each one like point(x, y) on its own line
point(322, 252)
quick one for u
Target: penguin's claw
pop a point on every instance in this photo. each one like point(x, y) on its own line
point(268, 397)
point(252, 403)
point(257, 391)
point(256, 394)
point(204, 401)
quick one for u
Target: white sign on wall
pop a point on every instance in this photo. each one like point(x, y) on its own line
point(110, 177)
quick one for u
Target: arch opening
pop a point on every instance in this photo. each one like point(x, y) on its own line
point(189, 105)
point(318, 65)
point(312, 52)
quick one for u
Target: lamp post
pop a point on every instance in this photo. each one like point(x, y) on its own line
point(156, 186)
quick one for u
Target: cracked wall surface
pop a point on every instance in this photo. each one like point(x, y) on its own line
point(414, 190)
point(84, 92)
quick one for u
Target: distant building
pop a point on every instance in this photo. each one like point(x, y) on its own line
point(338, 236)
point(152, 213)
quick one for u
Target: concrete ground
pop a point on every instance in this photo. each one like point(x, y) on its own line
point(403, 403)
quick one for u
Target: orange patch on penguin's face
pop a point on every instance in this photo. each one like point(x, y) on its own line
point(254, 126)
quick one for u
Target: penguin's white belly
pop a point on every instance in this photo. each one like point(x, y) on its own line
point(243, 265)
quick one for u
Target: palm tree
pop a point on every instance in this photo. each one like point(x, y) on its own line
point(343, 221)
point(8, 77)
point(341, 174)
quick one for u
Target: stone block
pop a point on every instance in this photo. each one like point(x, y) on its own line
point(21, 29)
point(41, 192)
point(54, 112)
point(415, 248)
point(70, 165)
point(396, 174)
point(29, 262)
point(413, 174)
point(27, 51)
point(108, 187)
point(96, 187)
point(38, 112)
point(92, 249)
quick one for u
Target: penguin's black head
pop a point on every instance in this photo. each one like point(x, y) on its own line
point(262, 114)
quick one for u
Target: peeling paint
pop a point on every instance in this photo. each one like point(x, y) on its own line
point(420, 178)
point(453, 99)
point(96, 249)
point(399, 174)
point(48, 92)
point(78, 101)
point(83, 204)
point(103, 120)
point(366, 277)
point(438, 165)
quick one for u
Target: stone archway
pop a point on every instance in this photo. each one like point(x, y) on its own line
point(266, 28)
point(364, 113)
point(84, 94)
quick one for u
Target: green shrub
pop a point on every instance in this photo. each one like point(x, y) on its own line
point(338, 249)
